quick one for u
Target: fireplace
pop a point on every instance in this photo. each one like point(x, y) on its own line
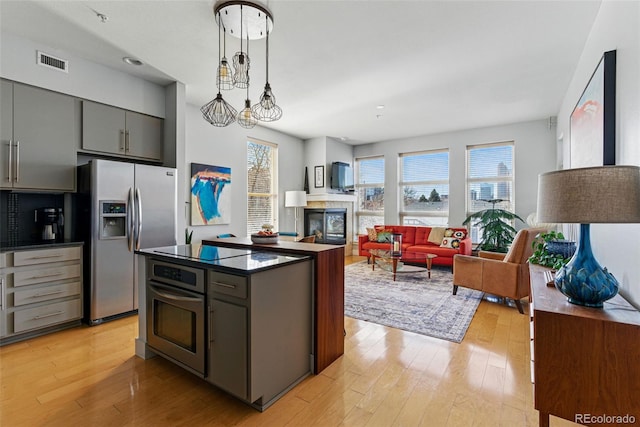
point(328, 225)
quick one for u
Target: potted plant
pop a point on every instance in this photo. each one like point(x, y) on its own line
point(497, 231)
point(551, 250)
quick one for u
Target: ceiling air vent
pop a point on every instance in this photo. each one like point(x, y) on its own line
point(47, 60)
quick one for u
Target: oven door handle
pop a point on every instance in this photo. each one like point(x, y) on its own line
point(173, 296)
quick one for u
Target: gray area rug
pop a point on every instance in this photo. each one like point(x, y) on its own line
point(412, 303)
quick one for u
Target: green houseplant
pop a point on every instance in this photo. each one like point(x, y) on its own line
point(541, 254)
point(497, 231)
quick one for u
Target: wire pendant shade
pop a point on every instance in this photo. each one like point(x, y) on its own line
point(245, 118)
point(218, 112)
point(225, 75)
point(267, 110)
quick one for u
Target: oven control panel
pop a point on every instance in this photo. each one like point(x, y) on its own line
point(177, 275)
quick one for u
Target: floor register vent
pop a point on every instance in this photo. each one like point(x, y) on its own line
point(50, 61)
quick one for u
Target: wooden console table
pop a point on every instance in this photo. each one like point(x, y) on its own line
point(585, 360)
point(328, 275)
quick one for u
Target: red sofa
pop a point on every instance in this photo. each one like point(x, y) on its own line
point(414, 239)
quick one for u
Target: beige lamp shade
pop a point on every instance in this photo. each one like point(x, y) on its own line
point(603, 194)
point(295, 199)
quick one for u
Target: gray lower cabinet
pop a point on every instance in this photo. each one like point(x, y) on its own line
point(41, 291)
point(111, 130)
point(39, 138)
point(260, 331)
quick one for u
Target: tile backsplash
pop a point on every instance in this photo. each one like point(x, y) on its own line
point(17, 214)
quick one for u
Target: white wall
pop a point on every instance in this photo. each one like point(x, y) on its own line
point(535, 152)
point(617, 26)
point(315, 154)
point(85, 79)
point(227, 147)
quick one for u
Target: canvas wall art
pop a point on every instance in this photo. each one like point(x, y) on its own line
point(593, 120)
point(210, 194)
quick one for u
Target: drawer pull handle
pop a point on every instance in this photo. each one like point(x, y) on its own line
point(45, 256)
point(44, 276)
point(46, 294)
point(225, 285)
point(43, 316)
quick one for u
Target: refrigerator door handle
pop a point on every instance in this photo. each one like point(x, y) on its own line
point(130, 220)
point(139, 219)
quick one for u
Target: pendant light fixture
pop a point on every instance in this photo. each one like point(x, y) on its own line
point(242, 19)
point(245, 119)
point(267, 110)
point(225, 75)
point(218, 112)
point(241, 61)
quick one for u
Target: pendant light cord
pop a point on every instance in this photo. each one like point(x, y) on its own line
point(219, 59)
point(266, 26)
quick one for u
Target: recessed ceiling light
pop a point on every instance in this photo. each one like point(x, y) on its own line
point(132, 61)
point(380, 107)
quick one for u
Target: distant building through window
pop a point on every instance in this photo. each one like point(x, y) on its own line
point(490, 176)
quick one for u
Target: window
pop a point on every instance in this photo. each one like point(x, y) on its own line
point(489, 177)
point(369, 187)
point(424, 188)
point(262, 196)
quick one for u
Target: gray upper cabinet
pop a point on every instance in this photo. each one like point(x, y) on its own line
point(39, 139)
point(111, 130)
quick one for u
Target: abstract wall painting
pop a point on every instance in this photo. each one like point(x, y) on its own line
point(210, 194)
point(593, 120)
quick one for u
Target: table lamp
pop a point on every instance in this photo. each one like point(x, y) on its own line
point(295, 199)
point(603, 194)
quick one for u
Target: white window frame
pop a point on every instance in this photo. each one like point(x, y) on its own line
point(475, 232)
point(273, 195)
point(402, 184)
point(358, 186)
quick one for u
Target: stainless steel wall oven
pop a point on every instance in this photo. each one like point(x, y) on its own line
point(176, 313)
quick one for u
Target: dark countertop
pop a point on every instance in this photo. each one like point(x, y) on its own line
point(239, 261)
point(35, 244)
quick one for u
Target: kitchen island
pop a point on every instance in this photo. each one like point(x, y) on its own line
point(328, 291)
point(240, 319)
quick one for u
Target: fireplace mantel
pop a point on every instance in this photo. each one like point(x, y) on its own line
point(331, 197)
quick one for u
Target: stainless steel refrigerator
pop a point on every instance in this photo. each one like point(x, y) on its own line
point(121, 207)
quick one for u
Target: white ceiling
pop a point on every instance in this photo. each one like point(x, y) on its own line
point(436, 66)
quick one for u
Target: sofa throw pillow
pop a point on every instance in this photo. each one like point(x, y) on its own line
point(436, 235)
point(373, 234)
point(450, 242)
point(384, 237)
point(458, 234)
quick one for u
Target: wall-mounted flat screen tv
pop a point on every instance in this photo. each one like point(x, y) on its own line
point(341, 176)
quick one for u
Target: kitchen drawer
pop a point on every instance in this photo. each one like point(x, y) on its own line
point(46, 293)
point(228, 284)
point(41, 256)
point(46, 315)
point(43, 275)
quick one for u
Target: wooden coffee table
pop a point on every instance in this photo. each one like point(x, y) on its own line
point(389, 261)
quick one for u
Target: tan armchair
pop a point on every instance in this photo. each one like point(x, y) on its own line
point(504, 275)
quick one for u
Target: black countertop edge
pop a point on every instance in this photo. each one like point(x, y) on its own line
point(22, 246)
point(291, 259)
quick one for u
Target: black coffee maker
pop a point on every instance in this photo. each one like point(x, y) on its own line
point(50, 222)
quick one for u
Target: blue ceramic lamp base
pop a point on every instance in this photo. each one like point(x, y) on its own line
point(582, 279)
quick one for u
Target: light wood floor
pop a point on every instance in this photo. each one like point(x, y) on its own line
point(89, 376)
